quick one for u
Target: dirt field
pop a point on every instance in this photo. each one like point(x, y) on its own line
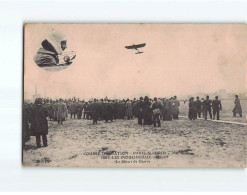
point(123, 143)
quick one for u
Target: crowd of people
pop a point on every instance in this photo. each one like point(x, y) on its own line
point(205, 106)
point(147, 111)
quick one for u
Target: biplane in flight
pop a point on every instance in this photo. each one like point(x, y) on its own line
point(136, 47)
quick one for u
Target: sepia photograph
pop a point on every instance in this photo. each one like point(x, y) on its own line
point(140, 95)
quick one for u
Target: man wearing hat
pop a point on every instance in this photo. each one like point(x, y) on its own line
point(52, 46)
point(207, 107)
point(167, 110)
point(198, 107)
point(139, 110)
point(192, 109)
point(156, 107)
point(175, 108)
point(94, 111)
point(216, 108)
point(73, 109)
point(147, 112)
point(61, 111)
point(39, 125)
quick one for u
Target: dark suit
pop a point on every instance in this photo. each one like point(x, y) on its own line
point(139, 111)
point(207, 108)
point(198, 108)
point(39, 124)
point(216, 108)
point(192, 110)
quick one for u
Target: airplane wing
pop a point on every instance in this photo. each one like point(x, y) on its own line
point(135, 46)
point(140, 45)
point(130, 47)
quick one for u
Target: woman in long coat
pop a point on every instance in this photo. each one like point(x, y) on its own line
point(61, 111)
point(39, 125)
point(175, 107)
point(192, 109)
point(237, 109)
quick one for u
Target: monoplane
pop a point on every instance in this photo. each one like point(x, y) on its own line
point(136, 47)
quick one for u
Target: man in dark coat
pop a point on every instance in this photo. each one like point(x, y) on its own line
point(203, 108)
point(79, 109)
point(175, 107)
point(121, 109)
point(192, 109)
point(207, 104)
point(86, 113)
point(94, 111)
point(237, 109)
point(44, 57)
point(147, 112)
point(216, 108)
point(115, 109)
point(108, 111)
point(156, 107)
point(73, 109)
point(52, 46)
point(61, 111)
point(167, 110)
point(39, 125)
point(139, 110)
point(50, 111)
point(198, 107)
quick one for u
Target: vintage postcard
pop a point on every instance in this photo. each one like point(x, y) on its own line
point(135, 95)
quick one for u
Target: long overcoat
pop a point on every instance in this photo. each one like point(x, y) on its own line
point(237, 108)
point(38, 120)
point(46, 58)
point(175, 107)
point(61, 111)
point(74, 108)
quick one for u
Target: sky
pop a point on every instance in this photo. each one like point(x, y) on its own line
point(178, 59)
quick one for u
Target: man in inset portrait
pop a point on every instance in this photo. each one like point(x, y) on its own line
point(52, 47)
